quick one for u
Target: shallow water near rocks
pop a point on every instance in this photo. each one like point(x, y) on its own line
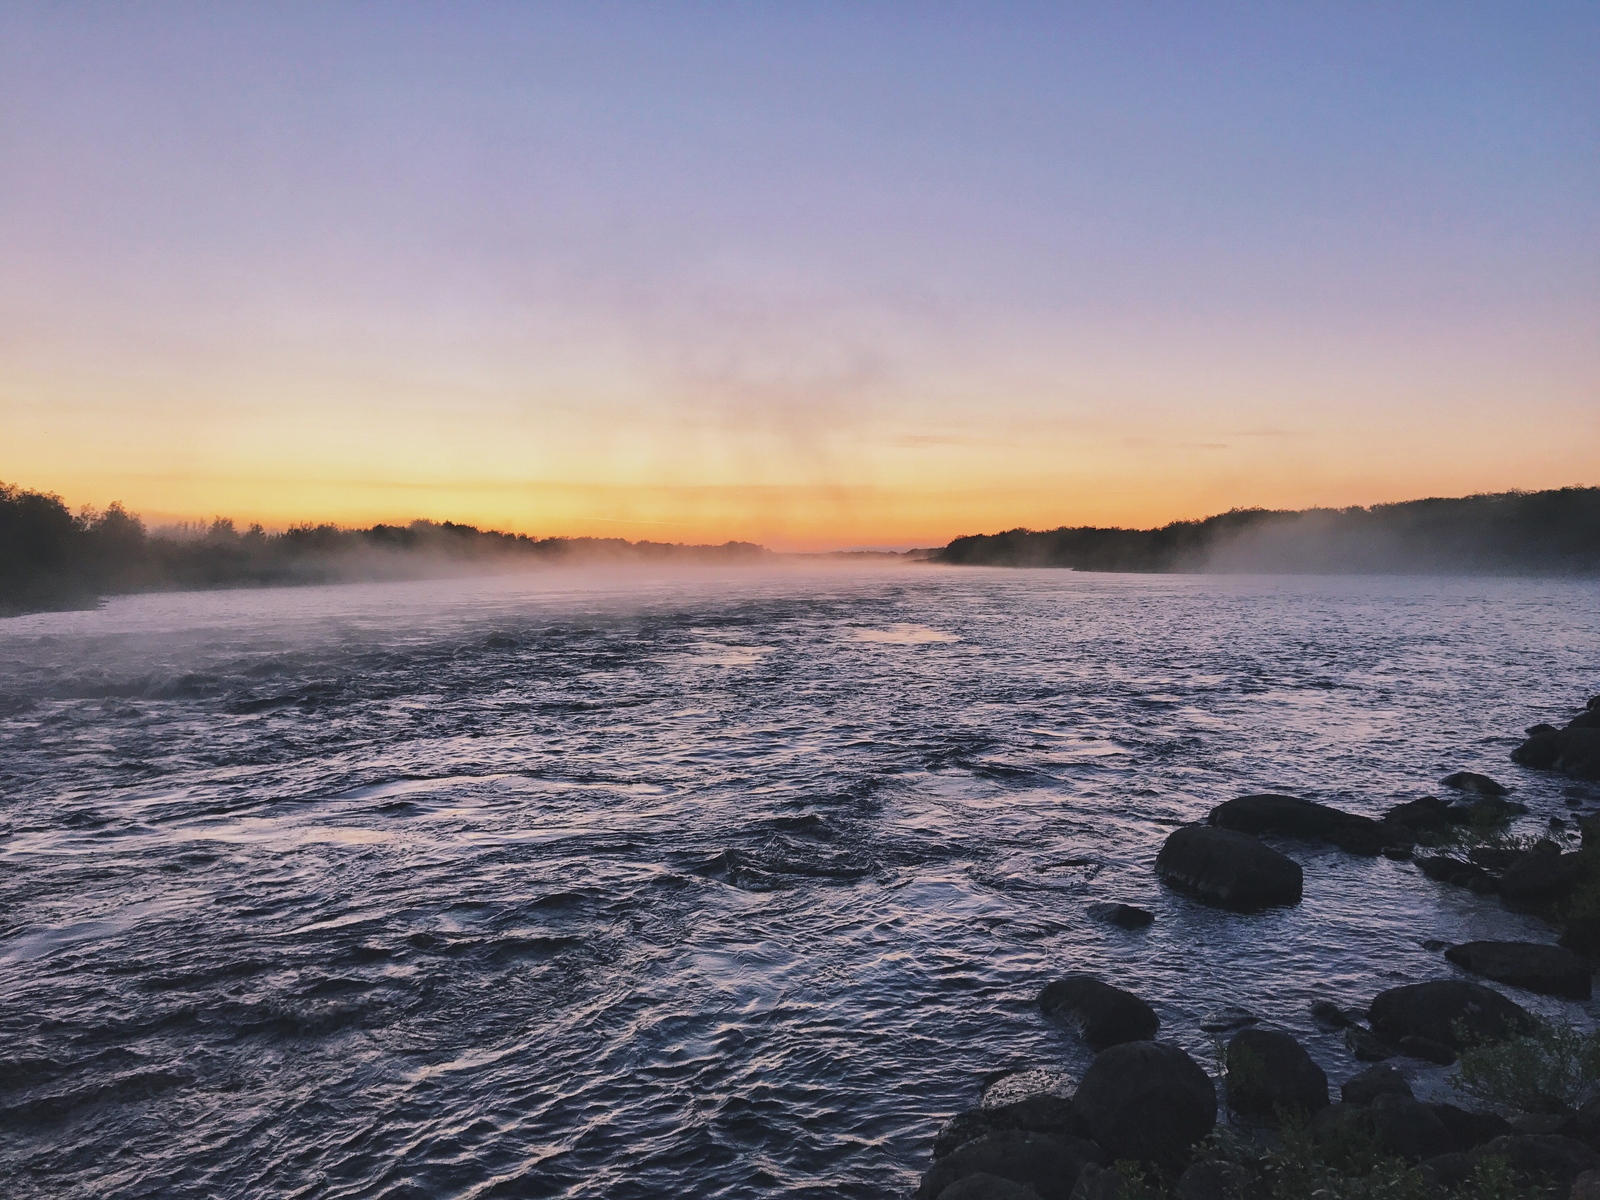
point(722, 884)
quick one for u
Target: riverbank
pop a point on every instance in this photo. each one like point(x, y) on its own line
point(1143, 1120)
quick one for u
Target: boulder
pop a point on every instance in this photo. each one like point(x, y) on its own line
point(1044, 1114)
point(984, 1186)
point(1573, 751)
point(1210, 1180)
point(1446, 1011)
point(1450, 1171)
point(1268, 1071)
point(1471, 781)
point(1381, 1080)
point(1049, 1165)
point(1540, 1157)
point(1366, 1045)
point(1105, 1015)
point(1226, 1018)
point(1415, 1046)
point(1293, 817)
point(1549, 970)
point(1009, 1087)
point(1582, 935)
point(1427, 815)
point(1445, 869)
point(1228, 869)
point(1100, 1183)
point(1584, 1125)
point(1471, 1129)
point(1408, 1128)
point(1341, 1122)
point(1540, 877)
point(1123, 916)
point(1586, 1186)
point(1330, 1016)
point(1147, 1101)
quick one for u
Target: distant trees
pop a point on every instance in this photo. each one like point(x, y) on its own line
point(1509, 533)
point(51, 559)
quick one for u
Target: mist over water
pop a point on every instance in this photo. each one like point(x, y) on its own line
point(721, 883)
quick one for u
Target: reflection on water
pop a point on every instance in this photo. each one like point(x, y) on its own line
point(721, 884)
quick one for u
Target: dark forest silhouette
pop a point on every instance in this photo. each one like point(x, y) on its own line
point(52, 559)
point(1511, 533)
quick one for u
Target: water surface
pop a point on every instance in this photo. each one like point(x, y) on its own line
point(722, 884)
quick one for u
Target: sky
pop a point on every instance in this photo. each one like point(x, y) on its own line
point(816, 275)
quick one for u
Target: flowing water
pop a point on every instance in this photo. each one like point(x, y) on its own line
point(719, 884)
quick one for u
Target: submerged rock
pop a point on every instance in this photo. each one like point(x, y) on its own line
point(1017, 1086)
point(1147, 1101)
point(1445, 869)
point(1104, 1014)
point(1228, 869)
point(1049, 1165)
point(1291, 816)
point(1123, 916)
point(1044, 1114)
point(1471, 781)
point(1549, 970)
point(1330, 1016)
point(1269, 1071)
point(1427, 815)
point(1452, 1012)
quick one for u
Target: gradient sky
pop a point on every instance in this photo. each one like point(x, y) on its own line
point(810, 274)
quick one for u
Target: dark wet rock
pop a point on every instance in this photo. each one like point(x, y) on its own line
point(1123, 916)
point(1584, 1125)
point(1408, 1128)
point(1366, 1045)
point(1539, 1122)
point(1341, 1121)
point(1536, 730)
point(1446, 869)
point(1147, 1101)
point(1450, 1170)
point(1549, 970)
point(1588, 719)
point(1381, 1080)
point(1427, 815)
point(1493, 858)
point(1268, 1071)
point(1397, 853)
point(1049, 1165)
point(1539, 1157)
point(1212, 1181)
point(1293, 817)
point(1428, 1050)
point(1586, 1186)
point(1486, 811)
point(1330, 1016)
point(1471, 1129)
point(1229, 1016)
point(1009, 1087)
point(1582, 936)
point(1105, 1015)
point(1471, 781)
point(1540, 877)
point(1228, 869)
point(1051, 1115)
point(1445, 1010)
point(1573, 751)
point(1100, 1183)
point(984, 1186)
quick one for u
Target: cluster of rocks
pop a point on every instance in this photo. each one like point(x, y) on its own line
point(1573, 750)
point(1036, 1137)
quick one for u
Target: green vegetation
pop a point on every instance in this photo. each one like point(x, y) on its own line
point(1514, 533)
point(1351, 1167)
point(1551, 1070)
point(51, 559)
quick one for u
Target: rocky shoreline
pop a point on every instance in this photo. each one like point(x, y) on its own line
point(1143, 1120)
